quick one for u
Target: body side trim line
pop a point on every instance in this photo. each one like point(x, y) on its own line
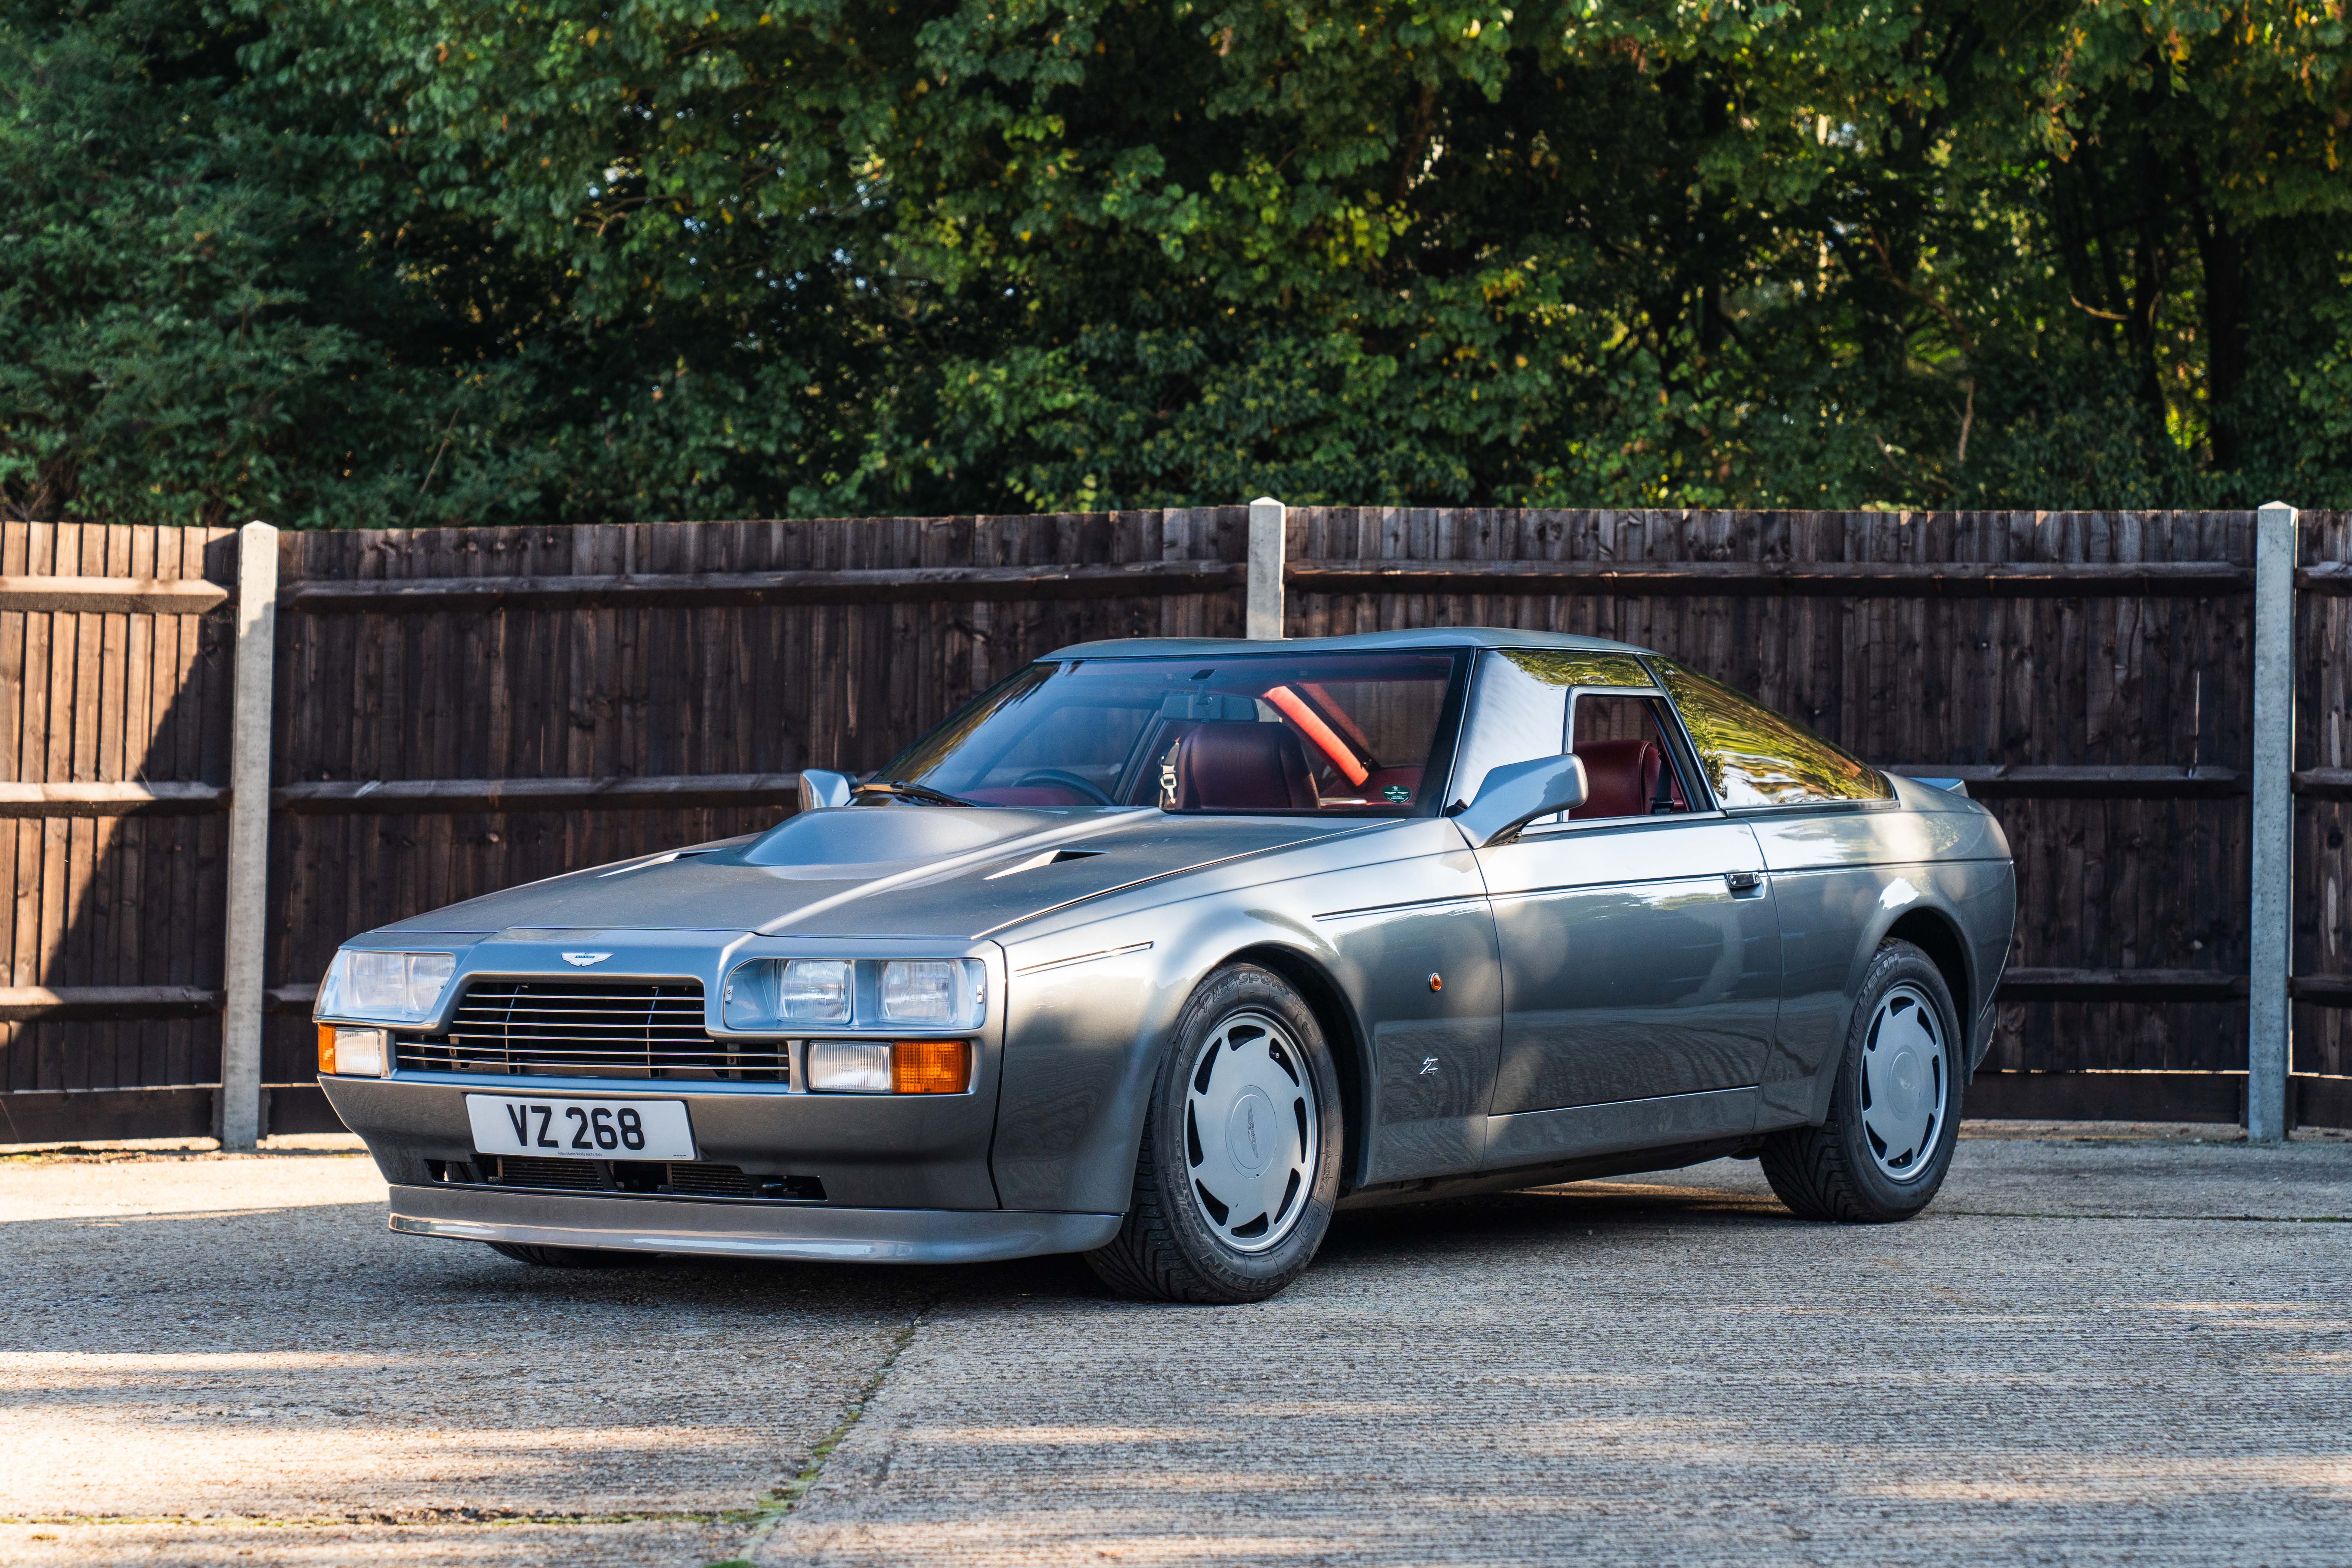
point(1603, 1127)
point(1571, 889)
point(1879, 866)
point(1470, 902)
point(1085, 958)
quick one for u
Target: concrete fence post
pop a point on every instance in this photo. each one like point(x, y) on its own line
point(1267, 517)
point(239, 1111)
point(2272, 896)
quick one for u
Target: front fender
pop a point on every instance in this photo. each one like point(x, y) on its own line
point(1088, 1014)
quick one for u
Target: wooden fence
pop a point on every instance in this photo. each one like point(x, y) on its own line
point(456, 710)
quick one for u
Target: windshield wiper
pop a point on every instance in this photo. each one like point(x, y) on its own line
point(923, 793)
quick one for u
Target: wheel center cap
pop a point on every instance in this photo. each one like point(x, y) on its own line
point(1250, 1131)
point(1904, 1079)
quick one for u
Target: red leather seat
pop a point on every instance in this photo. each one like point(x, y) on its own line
point(1622, 777)
point(1241, 766)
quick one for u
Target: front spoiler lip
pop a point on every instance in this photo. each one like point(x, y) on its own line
point(795, 1232)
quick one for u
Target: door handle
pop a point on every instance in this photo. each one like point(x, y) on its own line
point(1745, 881)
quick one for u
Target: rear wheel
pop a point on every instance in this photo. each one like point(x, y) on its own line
point(1895, 1113)
point(1239, 1162)
point(570, 1257)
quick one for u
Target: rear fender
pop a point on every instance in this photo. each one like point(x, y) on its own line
point(1934, 908)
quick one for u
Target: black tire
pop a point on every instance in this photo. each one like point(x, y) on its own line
point(571, 1257)
point(1167, 1250)
point(1835, 1171)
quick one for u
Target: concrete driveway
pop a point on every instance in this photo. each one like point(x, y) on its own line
point(2093, 1350)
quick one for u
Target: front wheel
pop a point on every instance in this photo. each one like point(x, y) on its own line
point(1239, 1166)
point(1895, 1113)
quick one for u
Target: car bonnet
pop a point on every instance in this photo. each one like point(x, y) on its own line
point(882, 871)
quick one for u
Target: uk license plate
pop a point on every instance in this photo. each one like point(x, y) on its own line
point(580, 1129)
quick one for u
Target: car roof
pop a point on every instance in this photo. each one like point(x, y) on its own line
point(1380, 642)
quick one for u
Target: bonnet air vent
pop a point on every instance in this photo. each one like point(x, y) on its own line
point(648, 865)
point(1050, 857)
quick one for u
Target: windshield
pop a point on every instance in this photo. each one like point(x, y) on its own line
point(1345, 733)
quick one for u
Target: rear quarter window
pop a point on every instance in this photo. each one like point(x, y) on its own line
point(1752, 756)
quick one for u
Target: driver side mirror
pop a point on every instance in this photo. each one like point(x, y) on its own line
point(1512, 796)
point(822, 787)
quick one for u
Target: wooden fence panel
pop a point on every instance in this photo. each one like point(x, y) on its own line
point(461, 710)
point(2118, 680)
point(621, 689)
point(102, 902)
point(2322, 860)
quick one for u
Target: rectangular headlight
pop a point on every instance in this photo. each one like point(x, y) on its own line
point(767, 991)
point(945, 993)
point(922, 993)
point(849, 1067)
point(815, 991)
point(401, 987)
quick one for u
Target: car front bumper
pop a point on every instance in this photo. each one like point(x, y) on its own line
point(802, 1232)
point(869, 1151)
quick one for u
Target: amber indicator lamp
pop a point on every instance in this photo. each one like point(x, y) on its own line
point(930, 1067)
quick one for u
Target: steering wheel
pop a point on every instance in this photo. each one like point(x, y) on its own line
point(1066, 780)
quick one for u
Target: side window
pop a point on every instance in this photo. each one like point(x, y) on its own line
point(1629, 766)
point(1752, 756)
point(1521, 709)
point(1518, 711)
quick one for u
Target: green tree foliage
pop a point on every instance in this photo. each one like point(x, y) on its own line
point(148, 347)
point(389, 261)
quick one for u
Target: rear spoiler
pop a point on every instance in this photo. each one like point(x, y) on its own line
point(1947, 783)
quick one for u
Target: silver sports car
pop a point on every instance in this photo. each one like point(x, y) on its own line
point(1160, 951)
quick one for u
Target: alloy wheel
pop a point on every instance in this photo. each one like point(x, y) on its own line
point(1251, 1132)
point(1906, 1091)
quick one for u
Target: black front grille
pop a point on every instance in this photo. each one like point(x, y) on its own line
point(655, 1178)
point(567, 1175)
point(591, 1029)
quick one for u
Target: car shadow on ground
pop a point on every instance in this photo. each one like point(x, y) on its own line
point(1403, 1236)
point(324, 1262)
